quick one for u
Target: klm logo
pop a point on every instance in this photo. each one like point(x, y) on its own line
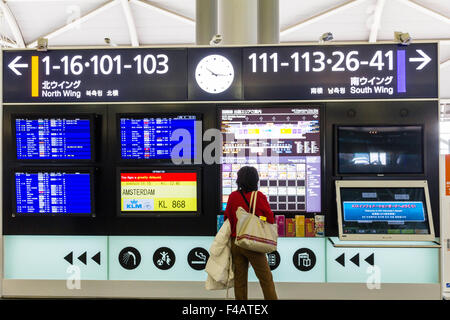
point(134, 205)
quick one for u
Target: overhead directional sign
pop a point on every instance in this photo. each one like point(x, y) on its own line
point(85, 75)
point(382, 71)
point(320, 72)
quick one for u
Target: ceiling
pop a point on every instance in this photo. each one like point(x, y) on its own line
point(164, 22)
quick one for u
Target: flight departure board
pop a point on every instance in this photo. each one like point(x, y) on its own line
point(53, 138)
point(146, 138)
point(283, 144)
point(55, 193)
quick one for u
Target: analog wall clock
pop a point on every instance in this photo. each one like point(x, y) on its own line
point(214, 74)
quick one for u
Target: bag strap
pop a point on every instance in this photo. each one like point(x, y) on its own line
point(254, 201)
point(245, 199)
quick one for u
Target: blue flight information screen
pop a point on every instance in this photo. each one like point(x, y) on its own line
point(53, 138)
point(150, 138)
point(56, 193)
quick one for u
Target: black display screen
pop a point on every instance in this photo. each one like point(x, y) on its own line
point(380, 150)
point(384, 211)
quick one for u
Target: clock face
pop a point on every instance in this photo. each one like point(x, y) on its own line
point(214, 73)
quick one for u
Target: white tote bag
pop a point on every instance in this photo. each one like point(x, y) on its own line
point(252, 233)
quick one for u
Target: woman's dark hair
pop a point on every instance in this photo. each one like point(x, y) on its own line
point(247, 179)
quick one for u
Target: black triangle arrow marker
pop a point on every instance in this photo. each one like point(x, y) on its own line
point(341, 259)
point(370, 259)
point(96, 258)
point(355, 259)
point(69, 258)
point(82, 258)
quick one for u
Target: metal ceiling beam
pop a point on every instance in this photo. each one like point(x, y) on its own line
point(322, 15)
point(105, 6)
point(432, 13)
point(4, 43)
point(130, 23)
point(377, 19)
point(445, 64)
point(164, 11)
point(12, 24)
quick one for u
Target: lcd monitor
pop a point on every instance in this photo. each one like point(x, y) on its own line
point(384, 210)
point(159, 192)
point(283, 144)
point(53, 138)
point(53, 192)
point(147, 137)
point(380, 150)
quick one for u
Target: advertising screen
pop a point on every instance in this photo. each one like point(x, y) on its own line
point(283, 144)
point(146, 138)
point(54, 193)
point(159, 191)
point(380, 150)
point(384, 211)
point(56, 138)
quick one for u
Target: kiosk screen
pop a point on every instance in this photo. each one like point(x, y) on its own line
point(384, 211)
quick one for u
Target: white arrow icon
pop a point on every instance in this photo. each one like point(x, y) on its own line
point(13, 65)
point(424, 59)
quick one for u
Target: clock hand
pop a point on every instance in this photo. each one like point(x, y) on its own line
point(211, 71)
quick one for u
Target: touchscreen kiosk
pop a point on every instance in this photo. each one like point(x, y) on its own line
point(53, 138)
point(380, 150)
point(159, 192)
point(283, 144)
point(147, 137)
point(384, 210)
point(53, 192)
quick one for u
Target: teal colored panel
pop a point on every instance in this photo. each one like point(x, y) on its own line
point(42, 257)
point(395, 265)
point(181, 271)
point(287, 272)
point(146, 246)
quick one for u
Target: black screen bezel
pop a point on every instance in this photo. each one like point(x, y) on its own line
point(377, 174)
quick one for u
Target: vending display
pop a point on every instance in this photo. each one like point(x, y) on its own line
point(165, 192)
point(380, 149)
point(58, 138)
point(151, 138)
point(56, 193)
point(283, 144)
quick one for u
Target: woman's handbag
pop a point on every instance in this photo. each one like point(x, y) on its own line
point(252, 233)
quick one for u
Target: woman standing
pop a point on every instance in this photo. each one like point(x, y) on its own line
point(247, 181)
